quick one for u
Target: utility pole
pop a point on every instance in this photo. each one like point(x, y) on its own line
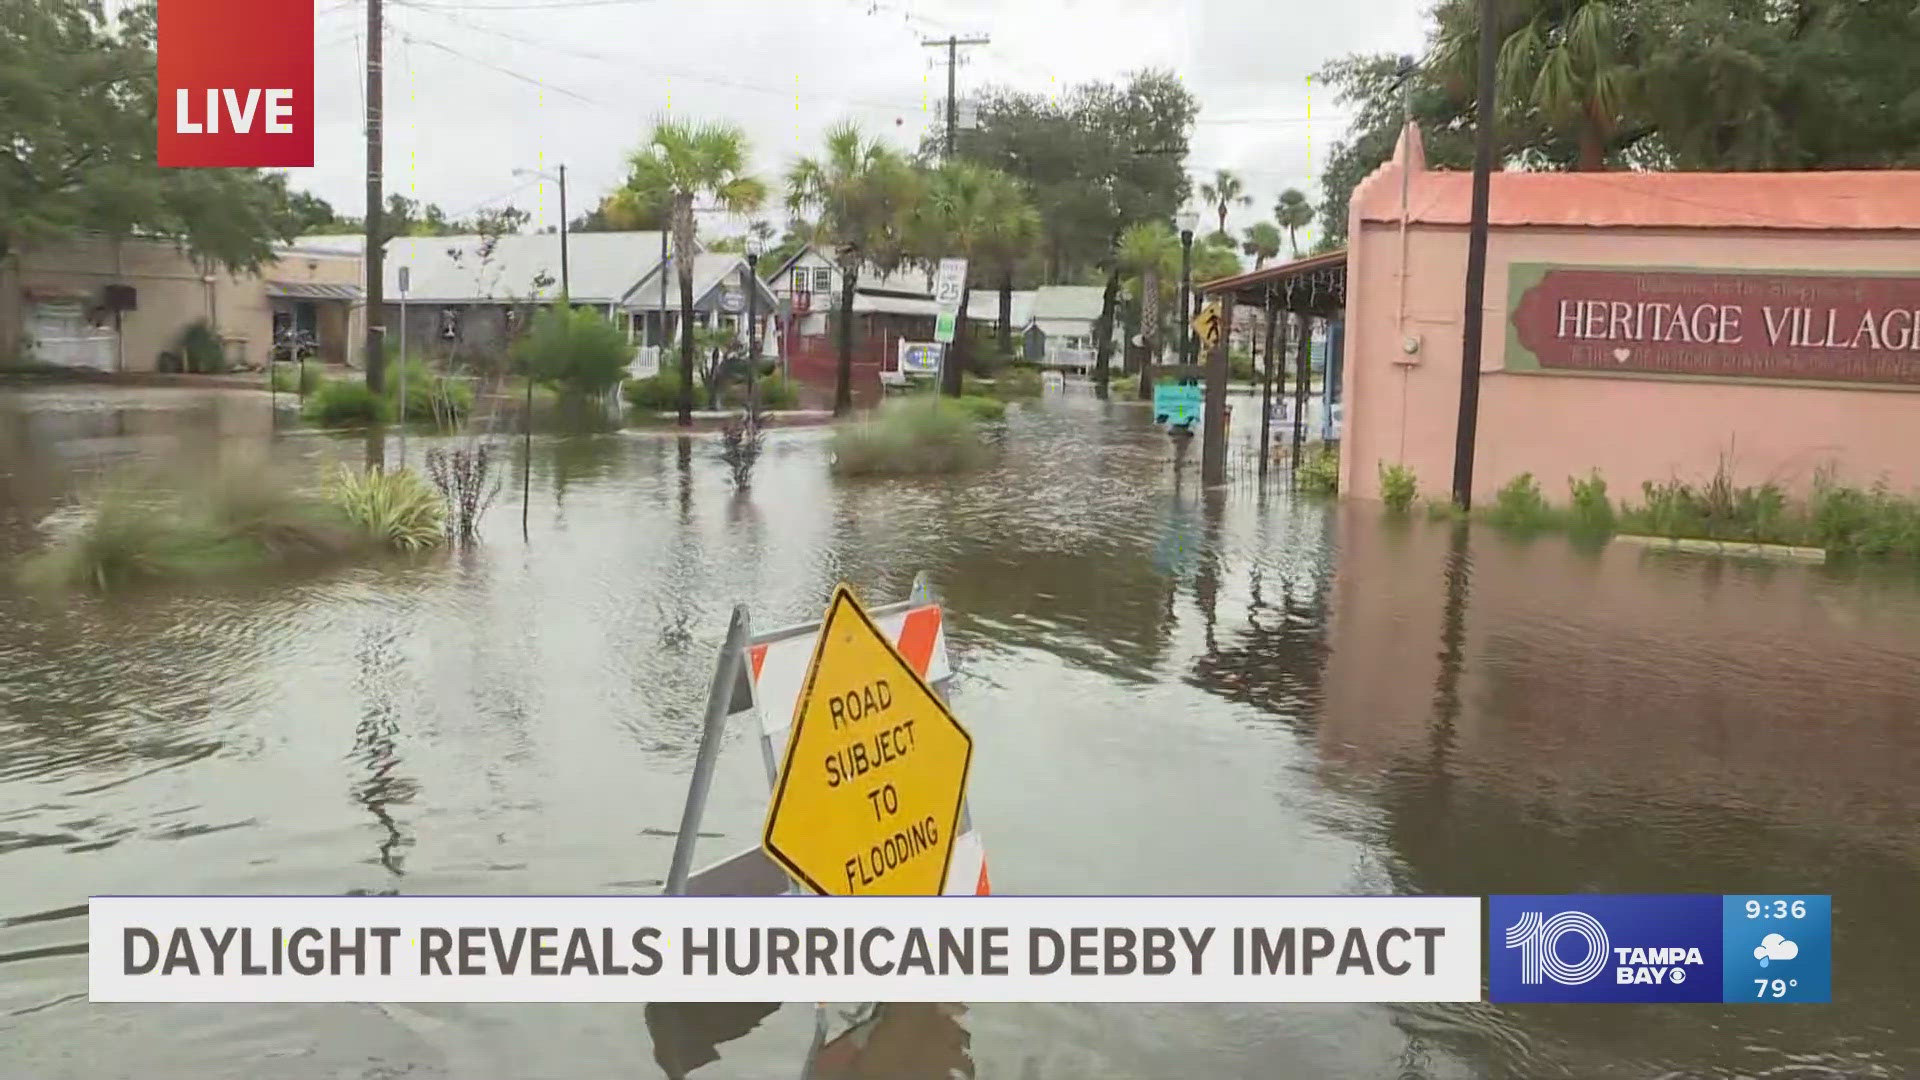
point(376, 355)
point(952, 44)
point(1474, 315)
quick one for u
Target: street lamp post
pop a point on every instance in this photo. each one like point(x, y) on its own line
point(1187, 219)
point(566, 302)
point(753, 319)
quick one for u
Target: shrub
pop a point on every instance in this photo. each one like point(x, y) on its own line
point(655, 393)
point(1319, 471)
point(345, 402)
point(1849, 521)
point(300, 379)
point(1397, 487)
point(200, 349)
point(773, 392)
point(394, 508)
point(980, 407)
point(1446, 509)
point(1519, 506)
point(908, 436)
point(1591, 512)
point(1126, 387)
point(577, 349)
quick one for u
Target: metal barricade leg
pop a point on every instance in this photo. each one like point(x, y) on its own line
point(719, 703)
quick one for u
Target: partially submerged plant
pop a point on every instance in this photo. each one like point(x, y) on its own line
point(741, 440)
point(467, 484)
point(394, 508)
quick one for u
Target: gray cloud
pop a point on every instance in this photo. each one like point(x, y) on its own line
point(464, 110)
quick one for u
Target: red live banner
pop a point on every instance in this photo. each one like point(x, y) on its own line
point(236, 83)
point(1822, 327)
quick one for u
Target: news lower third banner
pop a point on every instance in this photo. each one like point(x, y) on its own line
point(1673, 949)
point(784, 948)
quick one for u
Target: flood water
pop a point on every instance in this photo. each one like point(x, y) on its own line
point(1170, 692)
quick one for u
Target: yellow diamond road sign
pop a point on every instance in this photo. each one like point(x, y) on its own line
point(1207, 324)
point(868, 799)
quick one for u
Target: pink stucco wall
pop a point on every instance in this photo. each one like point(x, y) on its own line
point(1556, 426)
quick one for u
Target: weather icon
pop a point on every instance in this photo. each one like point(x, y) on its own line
point(1774, 947)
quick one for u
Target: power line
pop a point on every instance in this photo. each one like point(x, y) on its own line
point(509, 72)
point(629, 64)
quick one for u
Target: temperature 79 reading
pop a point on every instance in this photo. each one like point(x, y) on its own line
point(1778, 909)
point(1773, 987)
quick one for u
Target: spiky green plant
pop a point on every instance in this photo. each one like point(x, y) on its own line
point(397, 508)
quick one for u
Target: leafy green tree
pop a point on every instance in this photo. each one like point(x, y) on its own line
point(578, 350)
point(679, 165)
point(1224, 192)
point(1293, 212)
point(1263, 243)
point(862, 193)
point(621, 211)
point(78, 109)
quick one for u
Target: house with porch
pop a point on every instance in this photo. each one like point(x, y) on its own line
point(1060, 333)
point(121, 305)
point(651, 307)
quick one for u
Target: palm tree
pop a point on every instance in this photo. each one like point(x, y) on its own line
point(679, 165)
point(1010, 237)
point(1150, 251)
point(861, 191)
point(1223, 191)
point(1263, 243)
point(967, 211)
point(1566, 60)
point(1293, 212)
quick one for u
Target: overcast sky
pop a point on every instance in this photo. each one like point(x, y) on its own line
point(478, 88)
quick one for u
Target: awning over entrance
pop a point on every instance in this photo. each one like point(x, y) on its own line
point(1316, 285)
point(309, 290)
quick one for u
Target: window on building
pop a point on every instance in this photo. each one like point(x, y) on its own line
point(822, 279)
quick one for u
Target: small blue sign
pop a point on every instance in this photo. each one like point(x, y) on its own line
point(1177, 404)
point(1659, 948)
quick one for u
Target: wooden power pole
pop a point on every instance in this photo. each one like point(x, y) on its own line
point(952, 44)
point(376, 356)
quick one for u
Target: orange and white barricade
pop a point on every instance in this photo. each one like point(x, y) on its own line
point(766, 683)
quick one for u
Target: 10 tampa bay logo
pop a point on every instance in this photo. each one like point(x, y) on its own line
point(1605, 948)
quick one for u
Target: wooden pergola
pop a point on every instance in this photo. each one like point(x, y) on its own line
point(1310, 288)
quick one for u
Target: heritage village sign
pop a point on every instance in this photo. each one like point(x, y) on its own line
point(1842, 329)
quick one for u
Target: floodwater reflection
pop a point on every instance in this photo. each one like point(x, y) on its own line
point(1171, 691)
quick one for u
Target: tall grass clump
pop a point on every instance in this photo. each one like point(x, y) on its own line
point(1589, 510)
point(345, 403)
point(135, 532)
point(1124, 388)
point(1874, 522)
point(907, 437)
point(981, 407)
point(394, 508)
point(1319, 471)
point(431, 396)
point(1398, 487)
